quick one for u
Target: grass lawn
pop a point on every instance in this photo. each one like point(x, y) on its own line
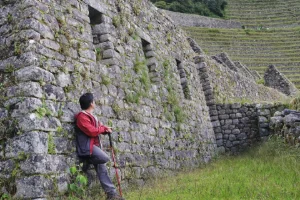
point(269, 171)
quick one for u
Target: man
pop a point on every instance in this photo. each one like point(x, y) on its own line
point(88, 129)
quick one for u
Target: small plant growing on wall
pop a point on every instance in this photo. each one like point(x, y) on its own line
point(78, 185)
point(98, 52)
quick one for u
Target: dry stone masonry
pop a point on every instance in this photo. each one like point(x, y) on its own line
point(275, 79)
point(286, 124)
point(149, 84)
point(140, 68)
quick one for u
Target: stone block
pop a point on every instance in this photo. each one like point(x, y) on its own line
point(69, 111)
point(6, 168)
point(236, 131)
point(87, 54)
point(238, 115)
point(228, 144)
point(105, 45)
point(235, 143)
point(236, 105)
point(31, 142)
point(54, 92)
point(26, 89)
point(228, 121)
point(110, 53)
point(50, 44)
point(242, 136)
point(63, 79)
point(101, 29)
point(106, 38)
point(33, 73)
point(235, 121)
point(219, 142)
point(44, 164)
point(264, 125)
point(219, 136)
point(232, 137)
point(63, 145)
point(33, 187)
point(223, 116)
point(34, 122)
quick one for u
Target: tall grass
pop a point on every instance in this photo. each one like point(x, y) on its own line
point(269, 171)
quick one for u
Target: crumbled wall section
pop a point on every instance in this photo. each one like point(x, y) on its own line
point(275, 79)
point(124, 52)
point(286, 125)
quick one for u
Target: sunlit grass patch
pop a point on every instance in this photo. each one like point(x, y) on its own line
point(270, 171)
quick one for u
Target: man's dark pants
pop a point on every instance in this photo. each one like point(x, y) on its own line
point(98, 159)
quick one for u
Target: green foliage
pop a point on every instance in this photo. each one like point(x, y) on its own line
point(261, 81)
point(141, 69)
point(214, 30)
point(132, 97)
point(116, 20)
point(139, 64)
point(150, 26)
point(295, 104)
point(179, 114)
point(98, 52)
point(200, 7)
point(9, 18)
point(105, 80)
point(51, 145)
point(169, 39)
point(270, 171)
point(78, 185)
point(136, 9)
point(17, 49)
point(5, 197)
point(43, 111)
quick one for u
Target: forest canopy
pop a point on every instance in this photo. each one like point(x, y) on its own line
point(212, 8)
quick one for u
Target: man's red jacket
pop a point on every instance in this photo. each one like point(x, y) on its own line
point(91, 127)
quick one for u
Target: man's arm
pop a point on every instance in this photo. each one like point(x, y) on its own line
point(84, 123)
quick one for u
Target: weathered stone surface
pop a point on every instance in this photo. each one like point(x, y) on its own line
point(6, 168)
point(33, 186)
point(63, 80)
point(31, 142)
point(275, 79)
point(54, 92)
point(44, 164)
point(34, 122)
point(34, 74)
point(27, 89)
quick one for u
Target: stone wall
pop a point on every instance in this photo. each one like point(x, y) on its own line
point(240, 126)
point(183, 19)
point(286, 125)
point(275, 79)
point(140, 68)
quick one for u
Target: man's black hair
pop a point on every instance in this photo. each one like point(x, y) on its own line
point(86, 100)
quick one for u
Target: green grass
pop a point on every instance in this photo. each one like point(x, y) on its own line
point(270, 171)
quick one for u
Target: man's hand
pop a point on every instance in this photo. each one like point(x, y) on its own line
point(109, 130)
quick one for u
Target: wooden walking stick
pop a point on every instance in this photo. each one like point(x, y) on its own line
point(114, 160)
